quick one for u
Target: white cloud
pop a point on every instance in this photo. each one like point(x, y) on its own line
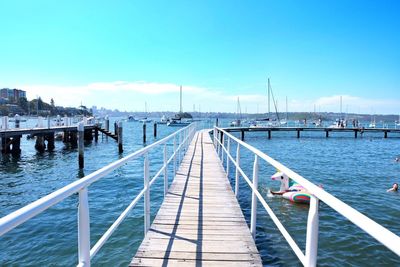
point(131, 96)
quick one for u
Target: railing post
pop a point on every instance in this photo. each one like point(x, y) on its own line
point(254, 199)
point(312, 233)
point(83, 228)
point(81, 147)
point(228, 149)
point(146, 194)
point(222, 148)
point(174, 156)
point(237, 170)
point(165, 171)
point(217, 142)
point(215, 137)
point(179, 147)
point(120, 148)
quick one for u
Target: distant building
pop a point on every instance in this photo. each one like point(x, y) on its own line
point(12, 95)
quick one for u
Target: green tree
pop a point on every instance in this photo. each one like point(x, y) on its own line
point(40, 103)
point(23, 103)
point(52, 102)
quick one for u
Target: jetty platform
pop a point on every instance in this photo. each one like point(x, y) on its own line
point(200, 222)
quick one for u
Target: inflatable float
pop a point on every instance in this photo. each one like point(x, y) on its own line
point(295, 193)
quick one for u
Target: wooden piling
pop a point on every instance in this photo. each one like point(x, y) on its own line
point(40, 145)
point(120, 148)
point(298, 133)
point(385, 134)
point(144, 132)
point(88, 135)
point(115, 128)
point(216, 122)
point(6, 145)
point(269, 134)
point(73, 138)
point(155, 130)
point(50, 142)
point(355, 133)
point(242, 135)
point(16, 145)
point(326, 133)
point(80, 145)
point(17, 121)
point(65, 137)
point(107, 125)
point(96, 135)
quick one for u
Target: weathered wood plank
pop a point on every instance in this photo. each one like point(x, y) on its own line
point(200, 221)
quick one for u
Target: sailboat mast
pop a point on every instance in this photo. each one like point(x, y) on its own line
point(269, 103)
point(287, 118)
point(180, 109)
point(341, 113)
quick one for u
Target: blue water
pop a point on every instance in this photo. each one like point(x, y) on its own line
point(358, 171)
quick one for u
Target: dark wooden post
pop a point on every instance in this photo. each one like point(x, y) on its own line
point(81, 133)
point(17, 121)
point(66, 137)
point(326, 133)
point(73, 138)
point(120, 148)
point(16, 145)
point(144, 132)
point(242, 135)
point(298, 133)
point(96, 134)
point(216, 122)
point(40, 145)
point(269, 134)
point(50, 142)
point(155, 130)
point(115, 128)
point(385, 134)
point(355, 133)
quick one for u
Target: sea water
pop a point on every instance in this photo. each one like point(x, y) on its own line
point(357, 171)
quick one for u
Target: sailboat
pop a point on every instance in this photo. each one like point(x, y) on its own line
point(177, 120)
point(269, 122)
point(373, 123)
point(285, 121)
point(397, 123)
point(145, 119)
point(339, 123)
point(237, 121)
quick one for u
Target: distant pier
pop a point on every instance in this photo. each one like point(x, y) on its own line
point(298, 130)
point(72, 135)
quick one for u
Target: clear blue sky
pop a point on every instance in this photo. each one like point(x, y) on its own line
point(313, 51)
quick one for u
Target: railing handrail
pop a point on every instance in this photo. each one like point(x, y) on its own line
point(29, 211)
point(377, 231)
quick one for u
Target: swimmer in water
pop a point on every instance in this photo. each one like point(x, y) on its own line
point(394, 188)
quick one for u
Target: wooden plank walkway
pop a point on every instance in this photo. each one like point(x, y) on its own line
point(200, 222)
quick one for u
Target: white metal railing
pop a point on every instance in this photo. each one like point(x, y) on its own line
point(309, 258)
point(80, 186)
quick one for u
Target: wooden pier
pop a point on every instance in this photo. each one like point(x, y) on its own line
point(200, 222)
point(298, 130)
